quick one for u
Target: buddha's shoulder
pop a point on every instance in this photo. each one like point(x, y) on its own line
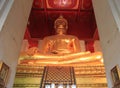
point(48, 37)
point(60, 37)
point(71, 36)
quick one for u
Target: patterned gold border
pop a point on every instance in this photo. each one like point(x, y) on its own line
point(115, 72)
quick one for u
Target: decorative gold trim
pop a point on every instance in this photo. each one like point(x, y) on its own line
point(115, 72)
point(4, 70)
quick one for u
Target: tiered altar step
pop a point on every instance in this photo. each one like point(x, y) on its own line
point(29, 76)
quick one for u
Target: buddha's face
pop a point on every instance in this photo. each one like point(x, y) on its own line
point(61, 28)
point(61, 31)
point(61, 25)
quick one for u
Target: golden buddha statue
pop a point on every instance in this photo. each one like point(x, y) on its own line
point(61, 43)
point(62, 49)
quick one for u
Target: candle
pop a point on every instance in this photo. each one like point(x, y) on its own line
point(52, 85)
point(47, 86)
point(60, 86)
point(73, 86)
point(68, 86)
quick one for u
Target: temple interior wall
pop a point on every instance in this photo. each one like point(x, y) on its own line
point(11, 35)
point(109, 35)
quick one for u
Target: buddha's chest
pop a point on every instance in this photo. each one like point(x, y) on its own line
point(61, 45)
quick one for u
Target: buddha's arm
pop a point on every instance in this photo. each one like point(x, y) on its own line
point(77, 45)
point(66, 59)
point(45, 45)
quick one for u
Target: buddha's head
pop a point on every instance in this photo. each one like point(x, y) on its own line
point(61, 25)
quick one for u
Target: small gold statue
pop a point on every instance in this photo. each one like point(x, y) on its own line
point(61, 43)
